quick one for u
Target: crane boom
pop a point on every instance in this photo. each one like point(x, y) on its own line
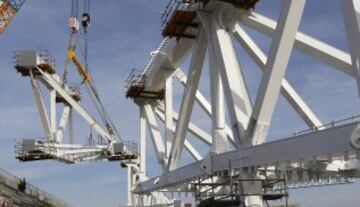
point(8, 10)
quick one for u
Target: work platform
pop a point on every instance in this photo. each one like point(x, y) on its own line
point(178, 24)
point(26, 60)
point(135, 88)
point(34, 150)
point(179, 19)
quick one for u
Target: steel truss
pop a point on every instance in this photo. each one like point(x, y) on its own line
point(39, 67)
point(327, 154)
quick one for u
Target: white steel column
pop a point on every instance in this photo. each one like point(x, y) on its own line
point(157, 140)
point(237, 97)
point(130, 185)
point(275, 69)
point(71, 127)
point(53, 124)
point(142, 144)
point(218, 108)
point(188, 146)
point(188, 100)
point(351, 13)
point(62, 125)
point(193, 129)
point(41, 107)
point(64, 94)
point(308, 45)
point(204, 104)
point(169, 134)
point(287, 90)
point(200, 99)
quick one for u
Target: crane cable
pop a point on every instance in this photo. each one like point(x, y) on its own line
point(74, 27)
point(104, 116)
point(73, 40)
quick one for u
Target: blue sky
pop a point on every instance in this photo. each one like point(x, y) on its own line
point(122, 35)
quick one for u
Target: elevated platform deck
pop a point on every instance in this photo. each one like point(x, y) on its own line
point(35, 157)
point(179, 17)
point(179, 23)
point(25, 71)
point(135, 88)
point(122, 157)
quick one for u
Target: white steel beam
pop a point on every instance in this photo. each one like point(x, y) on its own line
point(275, 69)
point(156, 138)
point(218, 107)
point(192, 151)
point(130, 185)
point(167, 57)
point(160, 196)
point(62, 125)
point(53, 121)
point(307, 146)
point(169, 134)
point(142, 143)
point(351, 13)
point(200, 98)
point(188, 100)
point(188, 146)
point(71, 127)
point(204, 104)
point(237, 97)
point(308, 45)
point(193, 129)
point(63, 93)
point(41, 107)
point(287, 90)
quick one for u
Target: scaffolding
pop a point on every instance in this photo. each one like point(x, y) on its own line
point(228, 193)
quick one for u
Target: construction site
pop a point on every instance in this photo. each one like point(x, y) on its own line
point(179, 103)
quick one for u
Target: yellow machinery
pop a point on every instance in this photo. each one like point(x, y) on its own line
point(71, 56)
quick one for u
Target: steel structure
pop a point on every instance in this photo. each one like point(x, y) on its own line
point(40, 68)
point(240, 168)
point(8, 10)
point(240, 163)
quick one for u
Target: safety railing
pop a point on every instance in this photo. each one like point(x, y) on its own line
point(40, 146)
point(174, 5)
point(131, 147)
point(47, 57)
point(317, 183)
point(330, 125)
point(30, 190)
point(135, 79)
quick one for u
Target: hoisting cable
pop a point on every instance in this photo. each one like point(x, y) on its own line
point(90, 84)
point(85, 22)
point(84, 70)
point(74, 27)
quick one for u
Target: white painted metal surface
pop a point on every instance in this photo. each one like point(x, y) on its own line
point(237, 148)
point(324, 149)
